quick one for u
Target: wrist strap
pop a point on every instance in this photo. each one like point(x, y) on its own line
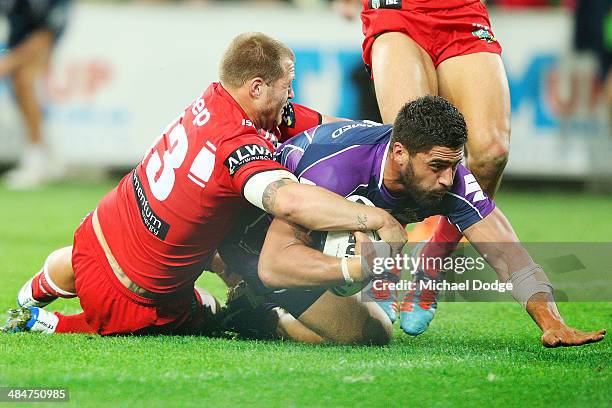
point(345, 271)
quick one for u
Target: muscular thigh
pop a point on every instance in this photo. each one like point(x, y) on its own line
point(347, 320)
point(402, 72)
point(477, 85)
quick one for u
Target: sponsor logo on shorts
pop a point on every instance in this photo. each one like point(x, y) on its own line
point(151, 221)
point(246, 154)
point(483, 33)
point(386, 4)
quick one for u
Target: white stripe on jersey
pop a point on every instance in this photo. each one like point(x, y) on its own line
point(382, 167)
point(467, 201)
point(294, 147)
point(328, 157)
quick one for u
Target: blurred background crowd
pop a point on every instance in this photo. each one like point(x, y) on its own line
point(93, 94)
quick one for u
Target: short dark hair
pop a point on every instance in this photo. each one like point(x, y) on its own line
point(427, 122)
point(252, 55)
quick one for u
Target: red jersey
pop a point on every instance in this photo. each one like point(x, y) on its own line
point(164, 220)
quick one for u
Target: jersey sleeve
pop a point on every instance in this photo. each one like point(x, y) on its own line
point(296, 119)
point(245, 156)
point(466, 203)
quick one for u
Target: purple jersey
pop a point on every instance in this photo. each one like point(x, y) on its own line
point(348, 158)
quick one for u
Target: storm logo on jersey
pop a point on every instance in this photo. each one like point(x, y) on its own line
point(246, 154)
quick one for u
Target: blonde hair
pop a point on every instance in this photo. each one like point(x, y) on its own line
point(252, 55)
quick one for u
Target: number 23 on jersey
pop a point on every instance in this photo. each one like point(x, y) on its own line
point(169, 152)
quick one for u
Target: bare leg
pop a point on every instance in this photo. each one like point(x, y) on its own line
point(55, 279)
point(347, 320)
point(486, 107)
point(27, 64)
point(33, 62)
point(402, 72)
point(288, 327)
point(477, 85)
point(24, 87)
point(59, 264)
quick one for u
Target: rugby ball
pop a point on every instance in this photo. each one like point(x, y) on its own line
point(341, 244)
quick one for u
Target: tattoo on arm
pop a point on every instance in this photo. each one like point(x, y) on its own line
point(362, 222)
point(269, 195)
point(301, 235)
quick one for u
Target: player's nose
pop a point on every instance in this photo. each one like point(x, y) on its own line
point(446, 178)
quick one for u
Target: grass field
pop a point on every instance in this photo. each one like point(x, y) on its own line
point(473, 354)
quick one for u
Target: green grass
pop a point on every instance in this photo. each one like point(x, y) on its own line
point(473, 354)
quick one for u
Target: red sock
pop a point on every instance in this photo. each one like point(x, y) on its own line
point(44, 290)
point(73, 324)
point(443, 241)
point(41, 290)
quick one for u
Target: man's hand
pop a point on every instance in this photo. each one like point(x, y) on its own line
point(364, 255)
point(542, 308)
point(393, 233)
point(566, 336)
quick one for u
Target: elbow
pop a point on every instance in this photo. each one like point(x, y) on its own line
point(287, 206)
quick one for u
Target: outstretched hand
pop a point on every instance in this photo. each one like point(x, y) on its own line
point(567, 337)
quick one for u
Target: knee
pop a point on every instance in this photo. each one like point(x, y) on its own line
point(490, 153)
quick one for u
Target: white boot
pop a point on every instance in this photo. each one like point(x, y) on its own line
point(32, 169)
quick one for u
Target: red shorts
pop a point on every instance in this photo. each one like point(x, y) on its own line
point(110, 308)
point(442, 33)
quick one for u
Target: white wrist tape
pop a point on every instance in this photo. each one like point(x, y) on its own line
point(345, 271)
point(527, 282)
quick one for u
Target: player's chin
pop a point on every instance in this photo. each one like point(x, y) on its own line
point(431, 200)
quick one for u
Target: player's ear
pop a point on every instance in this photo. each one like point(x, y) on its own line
point(256, 87)
point(399, 153)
